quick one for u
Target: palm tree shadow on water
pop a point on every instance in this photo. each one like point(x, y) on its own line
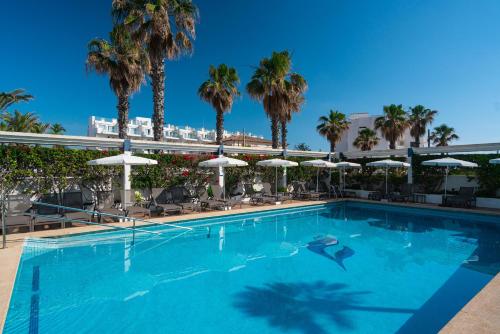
point(296, 306)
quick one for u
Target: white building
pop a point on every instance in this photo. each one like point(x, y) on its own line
point(360, 121)
point(142, 128)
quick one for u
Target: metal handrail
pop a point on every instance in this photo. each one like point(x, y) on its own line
point(91, 212)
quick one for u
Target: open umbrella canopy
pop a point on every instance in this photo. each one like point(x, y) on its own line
point(126, 160)
point(495, 161)
point(223, 161)
point(388, 164)
point(347, 164)
point(122, 159)
point(318, 163)
point(277, 163)
point(449, 162)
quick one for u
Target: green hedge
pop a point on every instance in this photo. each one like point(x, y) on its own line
point(41, 170)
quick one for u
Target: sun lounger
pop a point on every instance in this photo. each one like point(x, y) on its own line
point(45, 215)
point(19, 213)
point(106, 204)
point(206, 202)
point(74, 200)
point(163, 201)
point(404, 195)
point(464, 199)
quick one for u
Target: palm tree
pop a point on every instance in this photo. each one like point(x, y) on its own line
point(268, 85)
point(40, 127)
point(419, 117)
point(302, 147)
point(392, 124)
point(57, 129)
point(332, 127)
point(294, 99)
point(366, 139)
point(220, 90)
point(125, 63)
point(443, 135)
point(9, 98)
point(165, 28)
point(19, 122)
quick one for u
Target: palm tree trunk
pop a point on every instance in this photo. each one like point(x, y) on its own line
point(158, 83)
point(219, 126)
point(392, 145)
point(284, 132)
point(332, 146)
point(275, 130)
point(122, 116)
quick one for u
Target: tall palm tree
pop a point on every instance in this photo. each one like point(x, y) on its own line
point(420, 117)
point(166, 29)
point(332, 127)
point(392, 124)
point(443, 135)
point(366, 139)
point(294, 98)
point(57, 129)
point(268, 85)
point(19, 122)
point(220, 90)
point(9, 98)
point(125, 62)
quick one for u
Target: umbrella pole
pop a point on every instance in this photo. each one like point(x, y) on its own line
point(223, 184)
point(446, 180)
point(386, 172)
point(317, 179)
point(276, 183)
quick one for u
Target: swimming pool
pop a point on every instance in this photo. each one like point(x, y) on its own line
point(392, 270)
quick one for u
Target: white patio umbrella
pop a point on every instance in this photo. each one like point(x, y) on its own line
point(387, 164)
point(126, 160)
point(318, 163)
point(223, 162)
point(277, 163)
point(343, 165)
point(447, 163)
point(495, 161)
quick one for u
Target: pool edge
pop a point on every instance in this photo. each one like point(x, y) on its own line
point(13, 253)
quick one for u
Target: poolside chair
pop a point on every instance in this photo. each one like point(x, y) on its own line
point(208, 202)
point(74, 200)
point(19, 213)
point(107, 205)
point(375, 196)
point(265, 195)
point(181, 196)
point(163, 202)
point(219, 196)
point(404, 195)
point(46, 215)
point(464, 199)
point(144, 208)
point(331, 189)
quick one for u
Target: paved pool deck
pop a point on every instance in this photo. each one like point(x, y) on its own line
point(480, 315)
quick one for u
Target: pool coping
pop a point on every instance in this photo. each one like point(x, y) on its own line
point(480, 315)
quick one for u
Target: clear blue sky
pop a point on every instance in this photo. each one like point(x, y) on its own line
point(356, 55)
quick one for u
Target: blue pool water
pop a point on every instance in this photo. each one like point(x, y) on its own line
point(392, 270)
